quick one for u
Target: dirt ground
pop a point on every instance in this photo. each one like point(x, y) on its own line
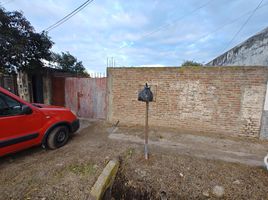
point(70, 172)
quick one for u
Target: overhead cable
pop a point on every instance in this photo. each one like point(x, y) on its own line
point(67, 17)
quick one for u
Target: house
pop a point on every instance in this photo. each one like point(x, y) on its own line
point(42, 86)
point(252, 52)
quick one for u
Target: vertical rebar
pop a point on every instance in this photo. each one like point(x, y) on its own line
point(146, 131)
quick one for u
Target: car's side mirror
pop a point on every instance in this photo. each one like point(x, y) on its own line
point(26, 110)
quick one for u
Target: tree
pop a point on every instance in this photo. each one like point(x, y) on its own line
point(69, 63)
point(20, 46)
point(191, 63)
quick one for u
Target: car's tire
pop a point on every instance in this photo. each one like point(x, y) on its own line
point(58, 137)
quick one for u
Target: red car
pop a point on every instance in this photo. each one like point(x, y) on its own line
point(23, 125)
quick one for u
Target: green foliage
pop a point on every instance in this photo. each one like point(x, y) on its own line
point(20, 46)
point(191, 63)
point(69, 63)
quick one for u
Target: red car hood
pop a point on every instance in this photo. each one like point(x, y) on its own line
point(56, 111)
point(46, 106)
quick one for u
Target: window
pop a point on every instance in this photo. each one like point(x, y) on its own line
point(2, 104)
point(9, 106)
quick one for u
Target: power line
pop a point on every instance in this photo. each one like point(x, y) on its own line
point(67, 17)
point(228, 23)
point(244, 24)
point(170, 24)
point(64, 19)
point(177, 20)
point(232, 21)
point(146, 35)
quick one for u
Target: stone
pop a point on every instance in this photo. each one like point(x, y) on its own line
point(218, 191)
point(266, 161)
point(237, 182)
point(59, 164)
point(163, 195)
point(141, 173)
point(206, 193)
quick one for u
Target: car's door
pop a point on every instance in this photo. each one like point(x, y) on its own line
point(17, 130)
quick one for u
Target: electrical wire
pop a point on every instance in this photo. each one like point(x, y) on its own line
point(146, 35)
point(64, 19)
point(176, 20)
point(243, 25)
point(67, 17)
point(228, 23)
point(170, 24)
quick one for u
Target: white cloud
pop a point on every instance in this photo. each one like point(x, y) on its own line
point(120, 29)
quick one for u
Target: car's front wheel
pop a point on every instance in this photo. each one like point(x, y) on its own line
point(58, 137)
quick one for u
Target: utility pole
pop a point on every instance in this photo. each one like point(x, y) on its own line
point(107, 62)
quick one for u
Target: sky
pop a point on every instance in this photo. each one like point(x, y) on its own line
point(144, 33)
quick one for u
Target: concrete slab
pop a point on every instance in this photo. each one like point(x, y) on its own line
point(206, 147)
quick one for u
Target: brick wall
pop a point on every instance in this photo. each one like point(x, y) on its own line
point(226, 100)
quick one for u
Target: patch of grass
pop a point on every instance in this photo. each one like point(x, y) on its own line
point(82, 169)
point(129, 152)
point(126, 157)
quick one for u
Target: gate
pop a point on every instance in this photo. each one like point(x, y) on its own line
point(86, 97)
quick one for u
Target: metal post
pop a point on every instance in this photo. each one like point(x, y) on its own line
point(146, 131)
point(107, 61)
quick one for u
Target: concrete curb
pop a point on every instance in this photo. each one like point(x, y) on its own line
point(105, 180)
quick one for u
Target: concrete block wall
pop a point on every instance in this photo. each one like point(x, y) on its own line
point(23, 88)
point(47, 89)
point(226, 100)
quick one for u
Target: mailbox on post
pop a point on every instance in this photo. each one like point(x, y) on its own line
point(146, 95)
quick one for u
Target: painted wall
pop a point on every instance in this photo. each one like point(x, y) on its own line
point(252, 52)
point(47, 90)
point(264, 127)
point(226, 100)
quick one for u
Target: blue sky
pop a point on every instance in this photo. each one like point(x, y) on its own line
point(144, 33)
